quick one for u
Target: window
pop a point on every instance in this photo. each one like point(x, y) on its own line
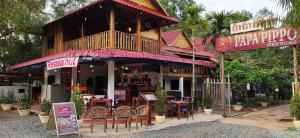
point(174, 84)
point(50, 42)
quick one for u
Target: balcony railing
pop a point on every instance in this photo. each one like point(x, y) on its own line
point(125, 41)
point(150, 45)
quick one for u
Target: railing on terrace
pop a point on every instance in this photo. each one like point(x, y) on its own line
point(150, 46)
point(185, 70)
point(125, 41)
point(96, 41)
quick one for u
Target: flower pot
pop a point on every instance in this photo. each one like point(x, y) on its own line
point(237, 108)
point(207, 111)
point(6, 107)
point(264, 104)
point(24, 112)
point(297, 124)
point(160, 119)
point(44, 119)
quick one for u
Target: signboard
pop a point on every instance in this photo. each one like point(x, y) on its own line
point(62, 63)
point(149, 97)
point(252, 25)
point(256, 40)
point(65, 118)
point(246, 26)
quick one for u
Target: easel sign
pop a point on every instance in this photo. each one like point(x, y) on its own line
point(64, 116)
point(150, 99)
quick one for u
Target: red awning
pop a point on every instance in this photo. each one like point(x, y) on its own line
point(112, 53)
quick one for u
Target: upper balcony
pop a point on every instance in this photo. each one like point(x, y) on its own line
point(124, 41)
point(114, 24)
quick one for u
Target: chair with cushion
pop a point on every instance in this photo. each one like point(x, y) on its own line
point(123, 115)
point(141, 113)
point(98, 114)
point(187, 109)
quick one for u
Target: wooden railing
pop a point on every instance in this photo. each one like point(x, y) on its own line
point(150, 45)
point(125, 41)
point(185, 70)
point(96, 41)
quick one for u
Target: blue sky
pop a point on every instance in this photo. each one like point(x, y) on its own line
point(237, 5)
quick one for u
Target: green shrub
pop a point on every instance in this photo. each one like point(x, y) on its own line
point(25, 103)
point(9, 99)
point(207, 102)
point(160, 106)
point(46, 107)
point(295, 107)
point(75, 97)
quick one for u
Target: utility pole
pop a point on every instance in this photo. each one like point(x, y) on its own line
point(193, 76)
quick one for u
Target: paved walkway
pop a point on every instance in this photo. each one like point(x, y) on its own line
point(276, 118)
point(98, 130)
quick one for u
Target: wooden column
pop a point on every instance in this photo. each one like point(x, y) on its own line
point(296, 89)
point(160, 39)
point(138, 34)
point(112, 28)
point(223, 101)
point(82, 30)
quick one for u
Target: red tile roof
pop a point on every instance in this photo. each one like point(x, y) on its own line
point(112, 53)
point(171, 36)
point(122, 2)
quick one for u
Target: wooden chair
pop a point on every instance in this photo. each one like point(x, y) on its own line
point(98, 113)
point(123, 114)
point(141, 113)
point(188, 110)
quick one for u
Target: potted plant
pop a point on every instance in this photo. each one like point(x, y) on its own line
point(237, 107)
point(75, 97)
point(160, 106)
point(264, 102)
point(25, 105)
point(295, 110)
point(207, 103)
point(45, 109)
point(6, 101)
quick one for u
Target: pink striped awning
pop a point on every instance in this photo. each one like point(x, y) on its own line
point(112, 53)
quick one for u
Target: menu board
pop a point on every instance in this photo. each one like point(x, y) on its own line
point(65, 118)
point(149, 97)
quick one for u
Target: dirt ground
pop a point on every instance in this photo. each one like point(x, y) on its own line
point(276, 118)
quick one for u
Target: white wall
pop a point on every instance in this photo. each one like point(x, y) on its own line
point(15, 89)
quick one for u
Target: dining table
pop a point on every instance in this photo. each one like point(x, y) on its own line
point(179, 104)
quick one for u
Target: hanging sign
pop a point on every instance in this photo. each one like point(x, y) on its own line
point(256, 40)
point(65, 118)
point(62, 63)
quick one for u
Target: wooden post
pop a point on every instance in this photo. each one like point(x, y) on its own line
point(138, 34)
point(223, 101)
point(112, 28)
point(296, 90)
point(82, 29)
point(160, 39)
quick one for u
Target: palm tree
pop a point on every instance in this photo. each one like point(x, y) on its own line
point(292, 7)
point(219, 25)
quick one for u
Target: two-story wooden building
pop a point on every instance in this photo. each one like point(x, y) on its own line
point(117, 49)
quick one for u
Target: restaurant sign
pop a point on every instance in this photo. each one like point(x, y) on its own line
point(62, 63)
point(65, 118)
point(256, 40)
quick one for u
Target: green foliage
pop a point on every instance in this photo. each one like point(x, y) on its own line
point(75, 97)
point(207, 101)
point(295, 106)
point(46, 107)
point(25, 103)
point(9, 99)
point(292, 7)
point(160, 106)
